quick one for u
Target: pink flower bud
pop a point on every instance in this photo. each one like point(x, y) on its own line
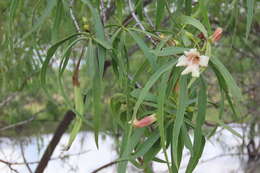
point(217, 35)
point(146, 121)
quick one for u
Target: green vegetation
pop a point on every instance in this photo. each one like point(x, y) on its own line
point(114, 62)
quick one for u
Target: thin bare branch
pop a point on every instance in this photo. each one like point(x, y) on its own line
point(104, 166)
point(8, 99)
point(103, 11)
point(52, 159)
point(132, 11)
point(24, 158)
point(72, 15)
point(9, 164)
point(22, 122)
point(148, 18)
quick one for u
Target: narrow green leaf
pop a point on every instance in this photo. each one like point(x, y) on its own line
point(97, 81)
point(57, 21)
point(249, 15)
point(115, 35)
point(97, 93)
point(99, 29)
point(169, 51)
point(204, 11)
point(76, 128)
point(139, 8)
point(151, 57)
point(103, 43)
point(13, 8)
point(230, 129)
point(145, 147)
point(181, 107)
point(194, 22)
point(231, 84)
point(65, 57)
point(188, 7)
point(223, 85)
point(150, 83)
point(151, 154)
point(160, 5)
point(198, 135)
point(79, 107)
point(187, 140)
point(90, 59)
point(160, 113)
point(127, 149)
point(51, 51)
point(46, 13)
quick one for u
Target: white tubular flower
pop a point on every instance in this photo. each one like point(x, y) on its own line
point(192, 60)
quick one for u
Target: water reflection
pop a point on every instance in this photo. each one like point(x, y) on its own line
point(85, 157)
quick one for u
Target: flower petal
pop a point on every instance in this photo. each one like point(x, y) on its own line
point(182, 61)
point(204, 60)
point(146, 121)
point(195, 71)
point(194, 50)
point(187, 70)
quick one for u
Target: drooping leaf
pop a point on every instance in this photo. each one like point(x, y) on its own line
point(151, 57)
point(51, 51)
point(160, 5)
point(231, 84)
point(194, 22)
point(249, 15)
point(199, 140)
point(181, 107)
point(46, 13)
point(169, 51)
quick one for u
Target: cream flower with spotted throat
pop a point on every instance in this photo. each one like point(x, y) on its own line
point(193, 61)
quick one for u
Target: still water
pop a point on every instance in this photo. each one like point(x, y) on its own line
point(221, 154)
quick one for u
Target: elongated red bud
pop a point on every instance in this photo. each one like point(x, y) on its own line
point(146, 121)
point(217, 35)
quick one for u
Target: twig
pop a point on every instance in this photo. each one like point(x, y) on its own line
point(110, 10)
point(22, 122)
point(132, 11)
point(137, 84)
point(36, 162)
point(104, 166)
point(72, 15)
point(8, 99)
point(129, 18)
point(148, 18)
point(103, 11)
point(9, 164)
point(24, 159)
point(216, 157)
point(221, 155)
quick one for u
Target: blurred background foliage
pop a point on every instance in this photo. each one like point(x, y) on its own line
point(29, 27)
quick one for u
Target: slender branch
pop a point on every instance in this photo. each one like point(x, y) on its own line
point(22, 122)
point(103, 11)
point(221, 155)
point(129, 18)
point(24, 159)
point(110, 10)
point(104, 166)
point(215, 157)
point(36, 162)
point(148, 18)
point(72, 15)
point(138, 21)
point(9, 164)
point(8, 99)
